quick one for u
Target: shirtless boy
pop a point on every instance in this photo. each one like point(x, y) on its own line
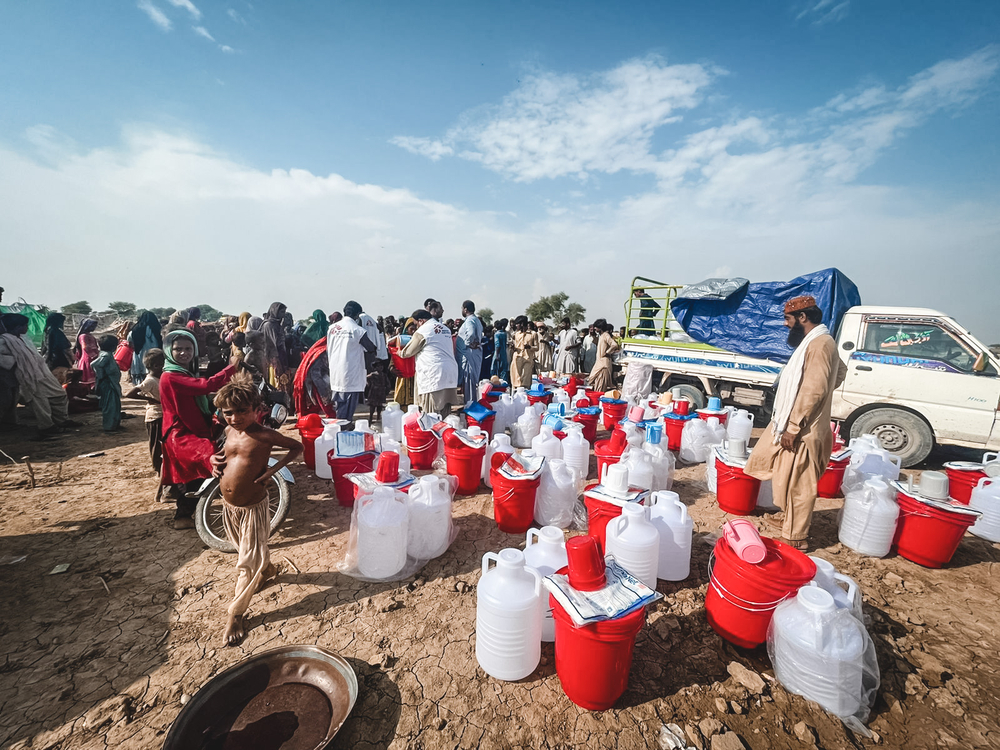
point(244, 477)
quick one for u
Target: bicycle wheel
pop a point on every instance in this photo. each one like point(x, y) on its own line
point(208, 514)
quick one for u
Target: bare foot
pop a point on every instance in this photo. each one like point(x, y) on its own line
point(234, 630)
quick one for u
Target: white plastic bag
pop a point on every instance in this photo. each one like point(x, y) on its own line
point(556, 496)
point(696, 441)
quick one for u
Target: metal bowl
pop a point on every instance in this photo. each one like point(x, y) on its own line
point(293, 698)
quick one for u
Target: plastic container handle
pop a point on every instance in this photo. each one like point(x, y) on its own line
point(528, 541)
point(852, 587)
point(987, 457)
point(538, 580)
point(486, 561)
point(985, 481)
point(893, 458)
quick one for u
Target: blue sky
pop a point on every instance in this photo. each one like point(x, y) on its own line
point(171, 152)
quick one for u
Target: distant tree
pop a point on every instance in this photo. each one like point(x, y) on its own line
point(209, 314)
point(485, 314)
point(123, 309)
point(163, 312)
point(554, 308)
point(77, 308)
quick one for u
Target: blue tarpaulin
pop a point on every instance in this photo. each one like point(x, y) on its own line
point(750, 320)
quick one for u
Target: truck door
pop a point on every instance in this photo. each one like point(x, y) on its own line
point(920, 363)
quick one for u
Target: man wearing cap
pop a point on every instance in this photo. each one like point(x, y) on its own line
point(794, 450)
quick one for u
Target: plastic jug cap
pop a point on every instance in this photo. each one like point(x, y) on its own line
point(552, 534)
point(815, 599)
point(474, 431)
point(634, 510)
point(511, 558)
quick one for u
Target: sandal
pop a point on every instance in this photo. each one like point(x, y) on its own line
point(799, 544)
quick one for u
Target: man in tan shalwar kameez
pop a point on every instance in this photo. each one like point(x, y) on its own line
point(795, 449)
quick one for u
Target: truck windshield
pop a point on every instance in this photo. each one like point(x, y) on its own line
point(919, 341)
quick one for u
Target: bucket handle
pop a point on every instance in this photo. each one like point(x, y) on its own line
point(985, 481)
point(738, 600)
point(987, 457)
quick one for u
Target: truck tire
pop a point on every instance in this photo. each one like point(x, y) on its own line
point(900, 432)
point(692, 394)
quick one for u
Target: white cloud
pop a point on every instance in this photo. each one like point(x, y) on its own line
point(156, 15)
point(226, 48)
point(231, 12)
point(203, 32)
point(825, 11)
point(554, 125)
point(188, 6)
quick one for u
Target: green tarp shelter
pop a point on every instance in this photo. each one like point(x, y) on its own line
point(36, 315)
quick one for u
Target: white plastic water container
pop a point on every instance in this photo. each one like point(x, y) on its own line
point(663, 460)
point(635, 543)
point(869, 459)
point(676, 530)
point(392, 421)
point(429, 529)
point(325, 443)
point(545, 551)
point(520, 403)
point(717, 432)
point(640, 468)
point(559, 396)
point(576, 453)
point(504, 407)
point(829, 579)
point(818, 652)
point(363, 425)
point(868, 520)
point(633, 435)
point(546, 444)
point(986, 499)
point(453, 421)
point(696, 442)
point(740, 425)
point(382, 533)
point(499, 444)
point(556, 494)
point(508, 616)
point(525, 429)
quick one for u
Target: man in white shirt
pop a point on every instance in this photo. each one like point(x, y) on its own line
point(470, 353)
point(374, 335)
point(568, 349)
point(437, 370)
point(346, 344)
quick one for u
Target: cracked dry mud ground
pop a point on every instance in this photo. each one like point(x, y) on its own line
point(88, 668)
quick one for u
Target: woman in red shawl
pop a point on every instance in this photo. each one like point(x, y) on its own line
point(312, 383)
point(188, 429)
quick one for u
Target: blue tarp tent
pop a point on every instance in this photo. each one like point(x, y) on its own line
point(749, 319)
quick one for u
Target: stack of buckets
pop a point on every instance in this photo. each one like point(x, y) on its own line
point(421, 446)
point(930, 527)
point(742, 596)
point(513, 499)
point(963, 477)
point(593, 662)
point(735, 490)
point(310, 427)
point(464, 461)
point(340, 467)
point(613, 410)
point(609, 451)
point(674, 423)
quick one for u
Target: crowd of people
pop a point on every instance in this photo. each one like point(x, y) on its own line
point(327, 364)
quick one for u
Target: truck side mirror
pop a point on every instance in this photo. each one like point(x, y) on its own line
point(980, 364)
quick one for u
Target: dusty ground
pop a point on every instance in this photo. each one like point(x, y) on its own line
point(85, 667)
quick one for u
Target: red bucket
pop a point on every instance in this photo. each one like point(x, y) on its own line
point(593, 662)
point(961, 483)
point(340, 467)
point(589, 422)
point(595, 397)
point(926, 534)
point(466, 464)
point(513, 502)
point(613, 414)
point(833, 477)
point(486, 424)
point(736, 491)
point(421, 447)
point(742, 596)
point(706, 414)
point(310, 427)
point(545, 398)
point(674, 429)
point(407, 367)
point(606, 455)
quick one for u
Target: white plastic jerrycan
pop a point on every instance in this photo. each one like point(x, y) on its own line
point(695, 442)
point(640, 468)
point(740, 425)
point(325, 443)
point(986, 499)
point(576, 453)
point(504, 407)
point(663, 460)
point(633, 435)
point(392, 421)
point(382, 533)
point(546, 444)
point(363, 425)
point(717, 431)
point(429, 530)
point(508, 616)
point(635, 543)
point(828, 579)
point(545, 551)
point(868, 520)
point(676, 529)
point(818, 651)
point(520, 403)
point(556, 495)
point(499, 444)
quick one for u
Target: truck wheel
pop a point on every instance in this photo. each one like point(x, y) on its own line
point(899, 432)
point(692, 394)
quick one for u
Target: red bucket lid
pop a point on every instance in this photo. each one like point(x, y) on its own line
point(783, 565)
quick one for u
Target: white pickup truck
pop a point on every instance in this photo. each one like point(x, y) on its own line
point(915, 377)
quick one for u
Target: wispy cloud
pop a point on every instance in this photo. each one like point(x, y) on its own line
point(156, 15)
point(188, 6)
point(203, 32)
point(231, 12)
point(226, 48)
point(554, 125)
point(824, 11)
